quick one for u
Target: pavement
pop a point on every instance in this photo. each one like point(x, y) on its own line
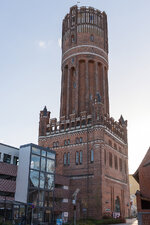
point(130, 222)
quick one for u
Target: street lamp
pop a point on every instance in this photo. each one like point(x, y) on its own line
point(74, 202)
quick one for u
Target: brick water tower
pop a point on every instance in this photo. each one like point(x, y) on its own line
point(84, 61)
point(91, 147)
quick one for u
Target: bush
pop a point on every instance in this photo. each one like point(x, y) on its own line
point(107, 216)
point(7, 223)
point(99, 222)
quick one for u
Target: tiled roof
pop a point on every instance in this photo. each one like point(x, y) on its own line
point(7, 185)
point(8, 169)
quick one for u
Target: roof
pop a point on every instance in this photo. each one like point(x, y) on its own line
point(145, 162)
point(38, 146)
point(9, 146)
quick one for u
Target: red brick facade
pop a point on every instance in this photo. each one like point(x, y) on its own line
point(91, 147)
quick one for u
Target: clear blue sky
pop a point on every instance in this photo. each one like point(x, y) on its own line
point(30, 67)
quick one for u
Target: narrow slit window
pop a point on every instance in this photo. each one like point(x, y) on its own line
point(77, 158)
point(92, 156)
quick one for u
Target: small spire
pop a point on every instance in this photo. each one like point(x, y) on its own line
point(122, 120)
point(45, 111)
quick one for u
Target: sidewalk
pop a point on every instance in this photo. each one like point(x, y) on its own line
point(129, 222)
point(132, 221)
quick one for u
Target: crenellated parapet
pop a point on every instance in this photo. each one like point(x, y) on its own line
point(85, 121)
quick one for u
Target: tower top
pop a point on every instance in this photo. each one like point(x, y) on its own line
point(84, 20)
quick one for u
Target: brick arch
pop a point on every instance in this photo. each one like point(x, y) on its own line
point(91, 78)
point(72, 90)
point(81, 85)
point(117, 204)
point(64, 90)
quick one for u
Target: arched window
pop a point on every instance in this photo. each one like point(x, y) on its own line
point(77, 158)
point(72, 39)
point(80, 139)
point(77, 140)
point(117, 204)
point(110, 159)
point(116, 162)
point(92, 37)
point(68, 158)
point(120, 164)
point(81, 156)
point(78, 123)
point(65, 159)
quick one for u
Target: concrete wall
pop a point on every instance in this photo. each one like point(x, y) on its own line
point(23, 174)
point(6, 149)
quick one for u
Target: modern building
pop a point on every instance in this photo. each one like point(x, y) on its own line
point(9, 154)
point(35, 182)
point(35, 192)
point(8, 171)
point(142, 176)
point(91, 147)
point(134, 186)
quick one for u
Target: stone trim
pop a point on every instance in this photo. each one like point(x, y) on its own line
point(115, 180)
point(80, 46)
point(85, 53)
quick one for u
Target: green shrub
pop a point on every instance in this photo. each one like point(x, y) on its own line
point(7, 223)
point(1, 221)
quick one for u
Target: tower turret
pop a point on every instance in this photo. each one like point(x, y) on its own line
point(44, 121)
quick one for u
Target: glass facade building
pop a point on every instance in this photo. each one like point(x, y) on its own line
point(40, 173)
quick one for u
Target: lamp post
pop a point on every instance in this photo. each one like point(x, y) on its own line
point(74, 202)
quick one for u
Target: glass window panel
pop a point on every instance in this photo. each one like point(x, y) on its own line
point(35, 162)
point(36, 150)
point(43, 153)
point(49, 181)
point(35, 216)
point(50, 166)
point(41, 198)
point(92, 155)
point(47, 216)
point(77, 157)
point(15, 160)
point(80, 157)
point(40, 216)
point(43, 163)
point(47, 199)
point(68, 158)
point(34, 178)
point(33, 197)
point(65, 158)
point(51, 155)
point(22, 210)
point(42, 180)
point(7, 158)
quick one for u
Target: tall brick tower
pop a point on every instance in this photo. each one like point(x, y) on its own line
point(91, 147)
point(84, 61)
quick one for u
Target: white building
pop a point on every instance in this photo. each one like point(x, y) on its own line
point(9, 154)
